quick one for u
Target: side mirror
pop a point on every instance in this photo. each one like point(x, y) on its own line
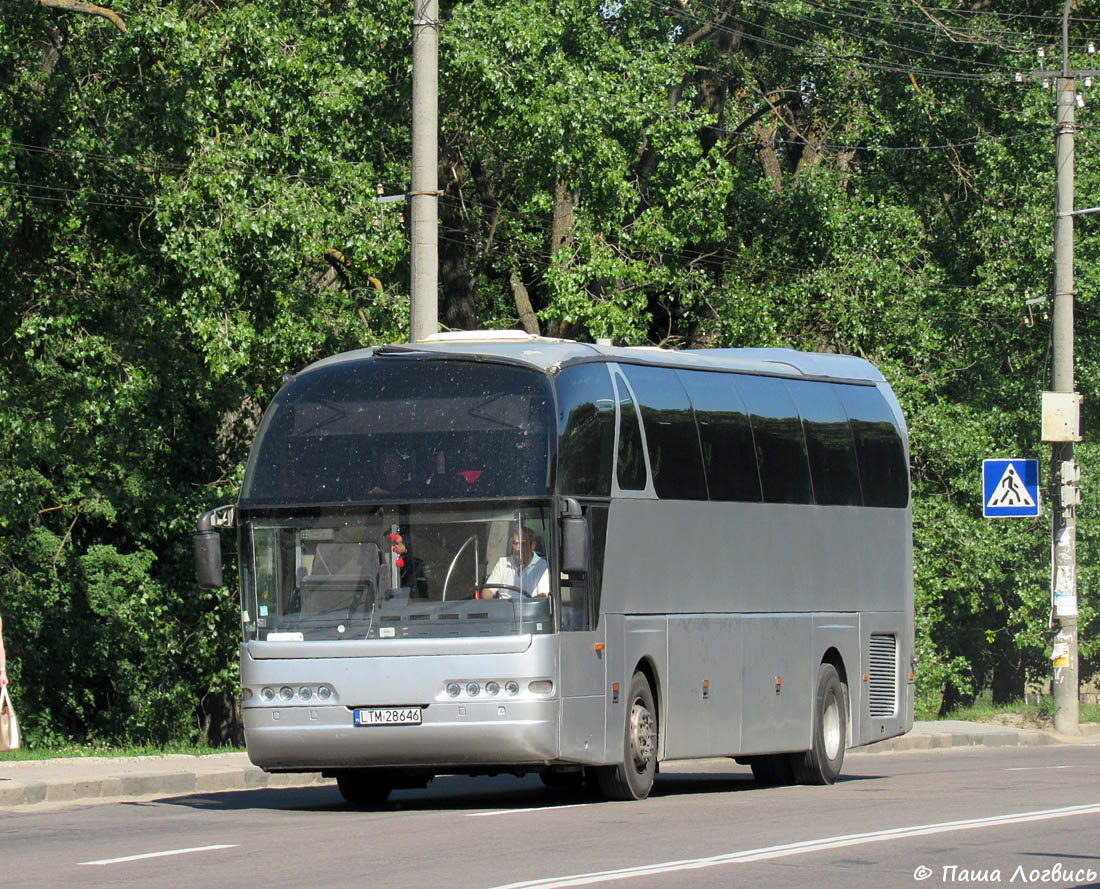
point(574, 539)
point(208, 559)
point(208, 545)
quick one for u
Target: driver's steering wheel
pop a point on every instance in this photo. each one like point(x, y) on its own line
point(505, 586)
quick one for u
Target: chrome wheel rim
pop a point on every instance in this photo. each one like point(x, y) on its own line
point(642, 735)
point(831, 732)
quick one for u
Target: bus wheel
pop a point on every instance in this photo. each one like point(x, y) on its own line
point(361, 788)
point(633, 777)
point(568, 779)
point(821, 764)
point(773, 770)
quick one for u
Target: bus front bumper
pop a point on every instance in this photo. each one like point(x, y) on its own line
point(450, 736)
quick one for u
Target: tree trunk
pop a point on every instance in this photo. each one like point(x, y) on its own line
point(562, 224)
point(701, 334)
point(769, 160)
point(220, 720)
point(1008, 678)
point(527, 315)
point(564, 221)
point(459, 310)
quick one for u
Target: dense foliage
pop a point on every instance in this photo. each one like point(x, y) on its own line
point(187, 205)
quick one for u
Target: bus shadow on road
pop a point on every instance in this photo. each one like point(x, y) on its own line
point(456, 793)
point(687, 783)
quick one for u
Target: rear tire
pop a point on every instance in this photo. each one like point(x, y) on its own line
point(361, 788)
point(632, 779)
point(822, 763)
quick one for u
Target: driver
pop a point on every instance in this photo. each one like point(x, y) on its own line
point(522, 569)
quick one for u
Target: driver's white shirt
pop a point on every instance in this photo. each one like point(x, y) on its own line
point(534, 579)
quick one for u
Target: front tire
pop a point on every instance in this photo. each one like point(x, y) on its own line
point(361, 788)
point(822, 763)
point(772, 770)
point(560, 779)
point(632, 779)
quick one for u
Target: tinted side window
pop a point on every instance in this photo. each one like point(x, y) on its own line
point(670, 433)
point(586, 430)
point(724, 435)
point(828, 443)
point(630, 467)
point(883, 472)
point(780, 444)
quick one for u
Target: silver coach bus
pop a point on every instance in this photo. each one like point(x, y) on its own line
point(710, 554)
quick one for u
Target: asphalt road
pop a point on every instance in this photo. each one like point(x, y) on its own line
point(979, 816)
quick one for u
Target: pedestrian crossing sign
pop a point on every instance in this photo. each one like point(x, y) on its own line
point(1010, 488)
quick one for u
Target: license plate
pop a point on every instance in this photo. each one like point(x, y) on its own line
point(388, 716)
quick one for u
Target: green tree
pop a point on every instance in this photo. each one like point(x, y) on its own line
point(189, 211)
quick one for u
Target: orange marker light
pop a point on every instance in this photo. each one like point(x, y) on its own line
point(599, 646)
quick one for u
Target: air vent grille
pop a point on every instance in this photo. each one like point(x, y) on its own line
point(883, 693)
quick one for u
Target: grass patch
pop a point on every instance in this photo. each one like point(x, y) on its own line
point(76, 751)
point(1022, 714)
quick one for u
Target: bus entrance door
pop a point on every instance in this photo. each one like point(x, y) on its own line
point(582, 659)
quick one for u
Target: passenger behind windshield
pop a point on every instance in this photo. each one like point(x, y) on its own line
point(523, 571)
point(392, 476)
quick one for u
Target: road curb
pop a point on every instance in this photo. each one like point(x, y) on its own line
point(15, 792)
point(925, 738)
point(943, 740)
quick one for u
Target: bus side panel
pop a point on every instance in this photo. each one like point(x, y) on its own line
point(703, 714)
point(885, 650)
point(690, 557)
point(633, 640)
point(583, 680)
point(776, 691)
point(841, 632)
point(582, 730)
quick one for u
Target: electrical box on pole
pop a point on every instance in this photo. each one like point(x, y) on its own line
point(1061, 416)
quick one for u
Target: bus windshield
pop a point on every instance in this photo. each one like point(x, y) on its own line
point(403, 429)
point(401, 571)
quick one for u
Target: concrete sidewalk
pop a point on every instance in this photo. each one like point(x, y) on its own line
point(99, 777)
point(85, 779)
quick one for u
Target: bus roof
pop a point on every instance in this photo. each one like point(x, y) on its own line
point(549, 355)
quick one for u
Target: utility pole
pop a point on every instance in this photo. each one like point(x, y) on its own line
point(1064, 512)
point(424, 193)
point(1061, 406)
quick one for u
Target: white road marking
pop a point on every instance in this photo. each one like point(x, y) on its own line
point(1036, 768)
point(161, 854)
point(787, 849)
point(523, 811)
